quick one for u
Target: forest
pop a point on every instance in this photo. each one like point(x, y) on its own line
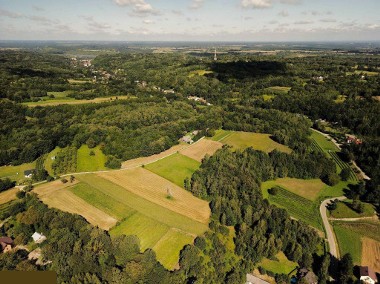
point(283, 96)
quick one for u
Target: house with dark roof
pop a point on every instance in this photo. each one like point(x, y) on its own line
point(367, 275)
point(29, 173)
point(6, 244)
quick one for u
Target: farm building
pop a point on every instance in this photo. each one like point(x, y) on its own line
point(352, 139)
point(367, 275)
point(255, 280)
point(6, 244)
point(187, 139)
point(307, 276)
point(29, 173)
point(38, 238)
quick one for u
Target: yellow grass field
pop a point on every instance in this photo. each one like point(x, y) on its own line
point(56, 194)
point(371, 254)
point(69, 101)
point(147, 160)
point(8, 195)
point(258, 141)
point(198, 150)
point(155, 189)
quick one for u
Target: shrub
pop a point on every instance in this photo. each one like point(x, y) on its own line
point(273, 190)
point(63, 180)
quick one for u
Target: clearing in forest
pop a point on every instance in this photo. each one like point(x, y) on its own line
point(371, 254)
point(258, 141)
point(201, 148)
point(175, 168)
point(57, 194)
point(307, 188)
point(8, 195)
point(281, 266)
point(89, 160)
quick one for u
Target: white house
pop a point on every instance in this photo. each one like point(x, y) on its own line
point(38, 238)
point(367, 275)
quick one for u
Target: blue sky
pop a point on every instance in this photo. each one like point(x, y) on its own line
point(203, 20)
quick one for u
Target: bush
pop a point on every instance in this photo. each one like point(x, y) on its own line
point(262, 270)
point(345, 174)
point(113, 163)
point(63, 180)
point(6, 184)
point(273, 190)
point(49, 178)
point(20, 194)
point(331, 179)
point(92, 153)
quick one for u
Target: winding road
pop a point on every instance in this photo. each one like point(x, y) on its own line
point(329, 230)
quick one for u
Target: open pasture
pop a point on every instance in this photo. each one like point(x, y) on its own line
point(56, 194)
point(16, 172)
point(348, 241)
point(258, 141)
point(201, 148)
point(278, 89)
point(154, 188)
point(175, 168)
point(72, 101)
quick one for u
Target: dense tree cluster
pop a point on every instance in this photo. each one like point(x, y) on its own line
point(6, 184)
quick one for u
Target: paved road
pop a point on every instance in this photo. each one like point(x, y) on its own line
point(329, 231)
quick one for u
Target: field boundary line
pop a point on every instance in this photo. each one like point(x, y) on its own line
point(224, 137)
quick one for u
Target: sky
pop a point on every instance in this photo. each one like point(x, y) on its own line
point(191, 20)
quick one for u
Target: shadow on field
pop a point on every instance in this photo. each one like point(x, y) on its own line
point(243, 70)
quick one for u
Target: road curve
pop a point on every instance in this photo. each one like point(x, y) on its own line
point(334, 251)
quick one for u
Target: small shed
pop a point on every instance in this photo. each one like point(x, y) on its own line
point(38, 237)
point(307, 275)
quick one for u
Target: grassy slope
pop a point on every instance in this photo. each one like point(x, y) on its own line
point(85, 162)
point(158, 228)
point(16, 172)
point(283, 265)
point(8, 195)
point(344, 211)
point(309, 189)
point(258, 141)
point(175, 168)
point(349, 242)
point(145, 207)
point(49, 162)
point(220, 134)
point(323, 142)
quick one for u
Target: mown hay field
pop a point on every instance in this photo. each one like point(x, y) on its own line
point(138, 199)
point(57, 194)
point(175, 168)
point(154, 188)
point(8, 195)
point(133, 163)
point(371, 254)
point(201, 148)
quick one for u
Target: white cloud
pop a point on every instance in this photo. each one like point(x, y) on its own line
point(256, 4)
point(327, 20)
point(291, 2)
point(283, 13)
point(148, 22)
point(139, 6)
point(196, 4)
point(10, 14)
point(38, 8)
